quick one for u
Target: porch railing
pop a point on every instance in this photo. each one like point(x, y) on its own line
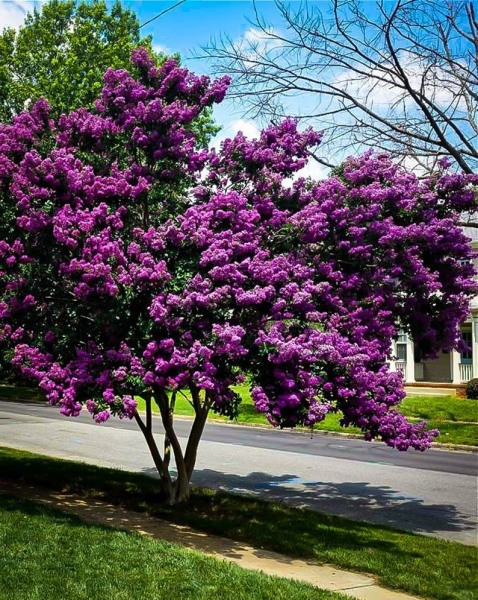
point(401, 367)
point(466, 372)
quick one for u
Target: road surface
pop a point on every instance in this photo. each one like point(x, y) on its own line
point(433, 493)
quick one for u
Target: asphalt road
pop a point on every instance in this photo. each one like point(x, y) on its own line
point(433, 493)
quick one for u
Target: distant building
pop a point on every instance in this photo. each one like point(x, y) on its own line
point(450, 370)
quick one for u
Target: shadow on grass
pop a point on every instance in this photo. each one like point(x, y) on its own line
point(74, 477)
point(359, 501)
point(59, 507)
point(422, 565)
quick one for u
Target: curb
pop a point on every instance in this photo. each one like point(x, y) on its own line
point(302, 431)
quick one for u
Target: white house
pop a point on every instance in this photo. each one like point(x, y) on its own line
point(450, 370)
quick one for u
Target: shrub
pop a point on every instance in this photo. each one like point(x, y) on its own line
point(472, 389)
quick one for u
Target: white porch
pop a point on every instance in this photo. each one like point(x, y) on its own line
point(450, 367)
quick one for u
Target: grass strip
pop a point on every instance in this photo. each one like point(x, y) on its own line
point(416, 564)
point(440, 408)
point(50, 554)
point(455, 418)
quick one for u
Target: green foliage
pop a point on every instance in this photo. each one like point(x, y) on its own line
point(61, 53)
point(472, 389)
point(205, 128)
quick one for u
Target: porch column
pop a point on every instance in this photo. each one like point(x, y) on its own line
point(410, 360)
point(391, 363)
point(474, 347)
point(455, 366)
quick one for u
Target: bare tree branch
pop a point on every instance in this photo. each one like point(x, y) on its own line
point(401, 76)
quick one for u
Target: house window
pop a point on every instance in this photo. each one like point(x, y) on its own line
point(401, 346)
point(402, 352)
point(467, 355)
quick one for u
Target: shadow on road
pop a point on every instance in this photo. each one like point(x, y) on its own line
point(355, 500)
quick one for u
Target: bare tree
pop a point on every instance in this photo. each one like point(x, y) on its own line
point(399, 76)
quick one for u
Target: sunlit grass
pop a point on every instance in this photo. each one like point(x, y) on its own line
point(50, 555)
point(440, 408)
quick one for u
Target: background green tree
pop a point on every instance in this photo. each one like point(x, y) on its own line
point(61, 53)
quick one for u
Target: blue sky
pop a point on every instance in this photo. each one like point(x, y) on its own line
point(191, 25)
point(194, 24)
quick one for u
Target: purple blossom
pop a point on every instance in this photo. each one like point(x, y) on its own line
point(168, 265)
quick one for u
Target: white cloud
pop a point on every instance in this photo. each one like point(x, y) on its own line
point(421, 167)
point(256, 43)
point(13, 13)
point(261, 37)
point(313, 170)
point(162, 49)
point(231, 128)
point(248, 127)
point(378, 88)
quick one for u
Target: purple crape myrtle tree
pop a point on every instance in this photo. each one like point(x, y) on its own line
point(135, 263)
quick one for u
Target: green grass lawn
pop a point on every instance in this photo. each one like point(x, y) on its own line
point(441, 408)
point(416, 564)
point(19, 392)
point(47, 554)
point(455, 418)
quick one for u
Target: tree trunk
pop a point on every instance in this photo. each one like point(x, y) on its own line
point(193, 441)
point(181, 485)
point(166, 482)
point(174, 492)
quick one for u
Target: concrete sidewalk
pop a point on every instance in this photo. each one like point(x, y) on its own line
point(362, 587)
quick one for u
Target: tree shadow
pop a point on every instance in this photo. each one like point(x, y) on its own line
point(359, 501)
point(74, 511)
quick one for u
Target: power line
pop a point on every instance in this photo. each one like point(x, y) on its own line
point(163, 13)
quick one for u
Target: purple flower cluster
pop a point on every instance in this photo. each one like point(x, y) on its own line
point(138, 262)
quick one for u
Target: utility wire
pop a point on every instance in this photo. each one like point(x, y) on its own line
point(163, 13)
